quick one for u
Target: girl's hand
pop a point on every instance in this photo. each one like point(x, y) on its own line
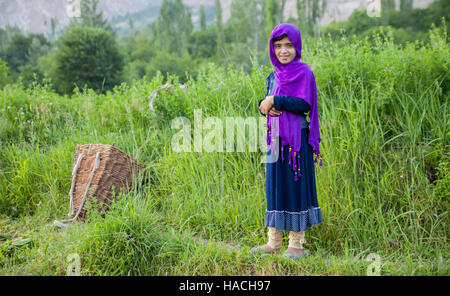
point(266, 105)
point(274, 112)
point(267, 108)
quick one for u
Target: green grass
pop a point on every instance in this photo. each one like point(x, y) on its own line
point(383, 187)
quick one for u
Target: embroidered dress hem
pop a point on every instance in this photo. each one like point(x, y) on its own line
point(293, 221)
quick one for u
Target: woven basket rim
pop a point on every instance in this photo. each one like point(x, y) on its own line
point(110, 147)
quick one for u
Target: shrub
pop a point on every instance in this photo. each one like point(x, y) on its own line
point(87, 57)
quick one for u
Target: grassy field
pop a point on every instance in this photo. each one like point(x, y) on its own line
point(383, 187)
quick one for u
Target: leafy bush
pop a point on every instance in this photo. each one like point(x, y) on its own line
point(87, 57)
point(172, 64)
point(4, 74)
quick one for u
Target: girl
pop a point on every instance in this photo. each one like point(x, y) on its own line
point(290, 185)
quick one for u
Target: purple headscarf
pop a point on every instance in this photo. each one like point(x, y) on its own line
point(295, 79)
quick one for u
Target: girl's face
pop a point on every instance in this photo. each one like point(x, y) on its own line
point(284, 50)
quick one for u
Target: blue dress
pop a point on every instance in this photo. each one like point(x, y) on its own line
point(291, 206)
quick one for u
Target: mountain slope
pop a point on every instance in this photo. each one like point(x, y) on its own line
point(35, 15)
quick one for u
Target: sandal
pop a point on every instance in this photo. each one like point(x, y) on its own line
point(294, 257)
point(260, 250)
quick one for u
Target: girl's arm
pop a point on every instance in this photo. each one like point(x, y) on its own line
point(267, 92)
point(291, 104)
point(268, 83)
point(259, 104)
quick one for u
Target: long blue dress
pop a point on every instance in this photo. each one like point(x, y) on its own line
point(291, 206)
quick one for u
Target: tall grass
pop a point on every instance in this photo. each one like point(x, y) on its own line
point(383, 188)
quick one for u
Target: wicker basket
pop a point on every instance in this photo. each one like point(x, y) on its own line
point(99, 170)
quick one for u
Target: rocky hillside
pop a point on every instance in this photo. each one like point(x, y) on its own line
point(35, 15)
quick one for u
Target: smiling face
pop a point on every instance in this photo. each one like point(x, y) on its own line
point(284, 50)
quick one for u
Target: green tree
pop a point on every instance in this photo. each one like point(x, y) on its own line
point(309, 13)
point(170, 63)
point(16, 53)
point(437, 10)
point(131, 24)
point(419, 19)
point(274, 14)
point(3, 36)
point(22, 52)
point(202, 18)
point(87, 56)
point(91, 18)
point(187, 27)
point(387, 6)
point(173, 27)
point(316, 9)
point(219, 25)
point(54, 24)
point(359, 22)
point(30, 71)
point(302, 20)
point(4, 74)
point(203, 44)
point(406, 5)
point(139, 51)
point(249, 40)
point(272, 9)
